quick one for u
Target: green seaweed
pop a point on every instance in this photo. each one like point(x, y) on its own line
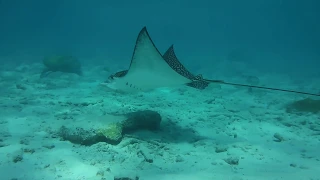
point(112, 132)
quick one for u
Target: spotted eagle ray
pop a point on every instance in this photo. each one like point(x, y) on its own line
point(150, 70)
point(172, 60)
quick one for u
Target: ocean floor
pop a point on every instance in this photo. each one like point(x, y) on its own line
point(222, 132)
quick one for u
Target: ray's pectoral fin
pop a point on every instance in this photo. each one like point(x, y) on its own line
point(148, 70)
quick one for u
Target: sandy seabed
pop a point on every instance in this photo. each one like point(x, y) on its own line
point(225, 133)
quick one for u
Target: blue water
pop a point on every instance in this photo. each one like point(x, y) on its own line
point(288, 29)
point(219, 39)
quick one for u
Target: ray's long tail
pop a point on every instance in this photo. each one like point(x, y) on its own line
point(260, 87)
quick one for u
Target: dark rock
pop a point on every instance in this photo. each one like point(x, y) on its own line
point(306, 105)
point(141, 120)
point(112, 133)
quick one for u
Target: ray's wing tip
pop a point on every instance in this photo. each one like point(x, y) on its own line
point(172, 47)
point(144, 30)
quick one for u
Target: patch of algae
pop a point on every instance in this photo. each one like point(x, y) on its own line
point(112, 132)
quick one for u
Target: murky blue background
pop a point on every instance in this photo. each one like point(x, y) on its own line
point(279, 36)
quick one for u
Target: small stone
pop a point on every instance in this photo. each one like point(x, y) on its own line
point(232, 160)
point(179, 158)
point(48, 146)
point(235, 136)
point(146, 156)
point(220, 149)
point(21, 87)
point(278, 137)
point(303, 167)
point(126, 178)
point(100, 173)
point(17, 158)
point(293, 165)
point(24, 141)
point(3, 145)
point(31, 151)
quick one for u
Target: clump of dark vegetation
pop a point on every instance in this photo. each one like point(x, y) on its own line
point(306, 105)
point(66, 64)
